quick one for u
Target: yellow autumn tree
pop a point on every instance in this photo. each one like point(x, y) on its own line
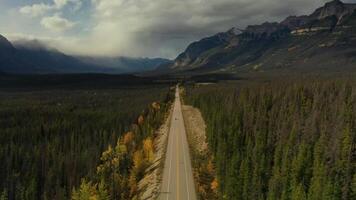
point(148, 149)
point(87, 191)
point(137, 172)
point(137, 159)
point(90, 191)
point(133, 183)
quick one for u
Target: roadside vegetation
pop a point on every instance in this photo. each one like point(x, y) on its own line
point(281, 139)
point(87, 142)
point(202, 159)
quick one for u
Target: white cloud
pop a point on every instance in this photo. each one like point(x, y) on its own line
point(57, 24)
point(40, 9)
point(61, 3)
point(36, 10)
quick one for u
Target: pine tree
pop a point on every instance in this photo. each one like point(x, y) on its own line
point(318, 180)
point(353, 187)
point(328, 190)
point(4, 195)
point(103, 193)
point(298, 193)
point(85, 192)
point(344, 165)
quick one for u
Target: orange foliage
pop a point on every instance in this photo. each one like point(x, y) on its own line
point(140, 120)
point(128, 138)
point(133, 184)
point(210, 167)
point(156, 106)
point(214, 185)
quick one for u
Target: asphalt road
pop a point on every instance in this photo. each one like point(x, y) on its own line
point(178, 182)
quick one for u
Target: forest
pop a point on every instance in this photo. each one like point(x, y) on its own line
point(54, 143)
point(281, 139)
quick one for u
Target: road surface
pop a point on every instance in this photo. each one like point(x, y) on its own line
point(178, 182)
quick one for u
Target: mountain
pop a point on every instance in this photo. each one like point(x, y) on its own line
point(9, 61)
point(323, 40)
point(34, 57)
point(126, 64)
point(49, 60)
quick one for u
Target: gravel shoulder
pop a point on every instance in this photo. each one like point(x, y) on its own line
point(202, 159)
point(149, 186)
point(195, 126)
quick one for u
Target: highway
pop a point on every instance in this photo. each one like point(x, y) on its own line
point(178, 181)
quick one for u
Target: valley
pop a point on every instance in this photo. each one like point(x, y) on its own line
point(178, 100)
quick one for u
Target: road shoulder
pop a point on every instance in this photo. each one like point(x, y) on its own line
point(150, 185)
point(202, 160)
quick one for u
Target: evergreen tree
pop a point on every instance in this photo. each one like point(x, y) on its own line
point(4, 195)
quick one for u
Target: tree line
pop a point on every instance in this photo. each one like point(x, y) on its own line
point(288, 140)
point(50, 140)
point(122, 167)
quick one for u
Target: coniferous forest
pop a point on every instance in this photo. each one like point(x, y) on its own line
point(281, 139)
point(51, 141)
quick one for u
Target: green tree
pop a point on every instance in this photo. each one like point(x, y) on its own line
point(353, 187)
point(85, 192)
point(298, 193)
point(4, 195)
point(103, 193)
point(319, 174)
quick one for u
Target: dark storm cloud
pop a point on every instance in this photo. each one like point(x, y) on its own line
point(166, 27)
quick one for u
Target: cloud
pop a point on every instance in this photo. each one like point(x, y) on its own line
point(36, 10)
point(40, 9)
point(57, 23)
point(166, 27)
point(61, 3)
point(163, 27)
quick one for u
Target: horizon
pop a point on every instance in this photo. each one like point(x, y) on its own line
point(136, 28)
point(257, 101)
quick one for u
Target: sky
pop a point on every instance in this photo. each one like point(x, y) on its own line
point(136, 28)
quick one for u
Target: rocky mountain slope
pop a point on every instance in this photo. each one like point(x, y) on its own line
point(323, 40)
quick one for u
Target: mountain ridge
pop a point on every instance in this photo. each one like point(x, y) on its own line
point(331, 29)
point(35, 57)
point(125, 64)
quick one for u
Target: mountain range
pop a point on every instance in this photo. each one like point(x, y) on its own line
point(34, 57)
point(125, 64)
point(323, 40)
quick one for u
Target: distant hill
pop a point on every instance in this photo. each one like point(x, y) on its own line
point(9, 60)
point(324, 40)
point(34, 57)
point(126, 64)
